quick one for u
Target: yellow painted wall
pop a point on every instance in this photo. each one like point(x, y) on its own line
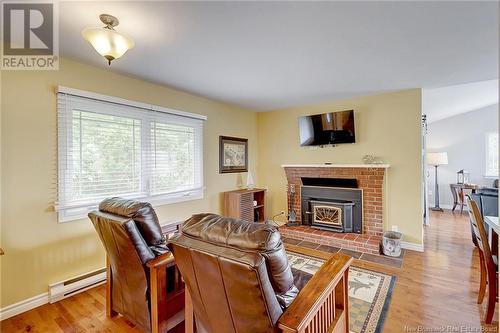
point(387, 125)
point(39, 250)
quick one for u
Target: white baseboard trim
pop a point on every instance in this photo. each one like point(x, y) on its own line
point(42, 299)
point(76, 285)
point(412, 246)
point(23, 306)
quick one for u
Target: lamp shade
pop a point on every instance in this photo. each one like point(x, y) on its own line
point(107, 42)
point(437, 158)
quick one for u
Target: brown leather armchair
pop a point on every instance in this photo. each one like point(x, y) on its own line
point(238, 280)
point(142, 281)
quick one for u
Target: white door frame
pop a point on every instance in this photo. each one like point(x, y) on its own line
point(425, 208)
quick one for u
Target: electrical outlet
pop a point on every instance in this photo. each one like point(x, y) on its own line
point(430, 192)
point(395, 228)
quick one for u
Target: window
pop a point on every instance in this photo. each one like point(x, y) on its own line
point(492, 155)
point(113, 147)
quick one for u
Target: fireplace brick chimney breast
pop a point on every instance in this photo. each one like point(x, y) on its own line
point(370, 179)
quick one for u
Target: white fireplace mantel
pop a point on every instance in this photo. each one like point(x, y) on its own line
point(336, 165)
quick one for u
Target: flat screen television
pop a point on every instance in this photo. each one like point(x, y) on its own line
point(327, 128)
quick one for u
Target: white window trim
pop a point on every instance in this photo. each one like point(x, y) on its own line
point(80, 210)
point(487, 173)
point(127, 102)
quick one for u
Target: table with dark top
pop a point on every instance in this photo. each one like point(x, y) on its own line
point(492, 223)
point(458, 194)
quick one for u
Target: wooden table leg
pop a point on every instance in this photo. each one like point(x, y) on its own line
point(461, 200)
point(492, 277)
point(493, 241)
point(494, 244)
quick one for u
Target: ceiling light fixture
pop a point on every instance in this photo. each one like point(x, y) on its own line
point(106, 40)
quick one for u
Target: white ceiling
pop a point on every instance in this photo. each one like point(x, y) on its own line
point(445, 102)
point(268, 55)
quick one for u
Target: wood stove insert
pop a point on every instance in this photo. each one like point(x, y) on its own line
point(332, 205)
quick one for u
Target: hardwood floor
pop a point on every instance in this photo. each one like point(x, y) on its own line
point(434, 290)
point(439, 287)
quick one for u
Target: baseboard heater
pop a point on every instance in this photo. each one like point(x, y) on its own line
point(76, 285)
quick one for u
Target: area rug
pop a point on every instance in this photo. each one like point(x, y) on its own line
point(369, 292)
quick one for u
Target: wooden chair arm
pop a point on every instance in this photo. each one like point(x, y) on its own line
point(166, 259)
point(158, 290)
point(320, 305)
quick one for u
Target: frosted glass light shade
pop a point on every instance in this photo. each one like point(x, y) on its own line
point(437, 158)
point(107, 42)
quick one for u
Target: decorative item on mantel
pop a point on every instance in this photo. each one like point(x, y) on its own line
point(370, 159)
point(463, 177)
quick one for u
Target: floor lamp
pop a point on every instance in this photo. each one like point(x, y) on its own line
point(437, 159)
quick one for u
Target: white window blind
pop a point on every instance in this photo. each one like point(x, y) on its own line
point(112, 147)
point(492, 154)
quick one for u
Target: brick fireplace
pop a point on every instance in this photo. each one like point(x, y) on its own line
point(368, 179)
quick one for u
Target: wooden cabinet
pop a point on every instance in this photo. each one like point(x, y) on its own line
point(245, 204)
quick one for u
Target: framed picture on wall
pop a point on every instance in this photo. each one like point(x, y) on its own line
point(233, 154)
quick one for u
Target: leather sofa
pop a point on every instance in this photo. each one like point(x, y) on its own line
point(238, 280)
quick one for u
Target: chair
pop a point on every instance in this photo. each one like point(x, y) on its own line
point(238, 280)
point(489, 267)
point(487, 201)
point(142, 282)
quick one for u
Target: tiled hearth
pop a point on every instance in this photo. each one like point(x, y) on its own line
point(348, 241)
point(370, 178)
